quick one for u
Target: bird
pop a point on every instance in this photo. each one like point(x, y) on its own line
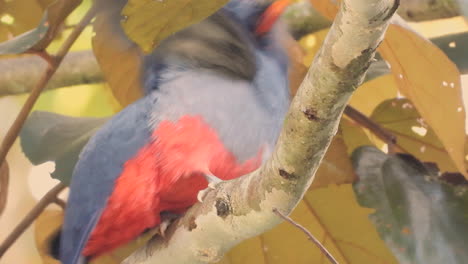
point(215, 97)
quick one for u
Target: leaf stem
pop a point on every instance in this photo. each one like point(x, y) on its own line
point(54, 62)
point(375, 128)
point(309, 235)
point(49, 198)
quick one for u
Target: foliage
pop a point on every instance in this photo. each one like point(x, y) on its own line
point(428, 123)
point(417, 227)
point(41, 36)
point(171, 16)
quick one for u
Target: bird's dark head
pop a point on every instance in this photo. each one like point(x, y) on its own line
point(227, 42)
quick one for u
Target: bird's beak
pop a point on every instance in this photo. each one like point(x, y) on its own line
point(270, 16)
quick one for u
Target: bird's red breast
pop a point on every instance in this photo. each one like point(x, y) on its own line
point(165, 175)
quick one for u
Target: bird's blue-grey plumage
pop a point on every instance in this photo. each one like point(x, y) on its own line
point(217, 69)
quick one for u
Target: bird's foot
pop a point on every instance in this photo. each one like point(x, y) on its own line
point(166, 219)
point(212, 182)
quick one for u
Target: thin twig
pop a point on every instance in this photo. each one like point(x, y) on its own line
point(375, 128)
point(4, 182)
point(379, 131)
point(60, 203)
point(30, 217)
point(14, 130)
point(309, 235)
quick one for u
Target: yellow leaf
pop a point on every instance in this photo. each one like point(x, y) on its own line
point(431, 81)
point(47, 227)
point(428, 78)
point(354, 135)
point(334, 218)
point(311, 44)
point(166, 16)
point(121, 61)
point(400, 117)
point(370, 94)
point(335, 167)
point(18, 16)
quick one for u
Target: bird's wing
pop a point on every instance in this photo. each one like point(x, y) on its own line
point(100, 164)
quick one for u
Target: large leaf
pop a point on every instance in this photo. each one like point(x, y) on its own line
point(167, 17)
point(422, 219)
point(52, 137)
point(402, 119)
point(371, 93)
point(38, 38)
point(431, 81)
point(334, 217)
point(119, 58)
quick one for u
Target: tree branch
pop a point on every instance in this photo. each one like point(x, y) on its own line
point(242, 208)
point(4, 182)
point(309, 235)
point(30, 217)
point(54, 63)
point(421, 10)
point(19, 75)
point(302, 17)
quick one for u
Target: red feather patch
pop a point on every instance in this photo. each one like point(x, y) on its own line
point(165, 175)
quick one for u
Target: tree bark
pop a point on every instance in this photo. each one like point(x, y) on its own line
point(20, 74)
point(239, 209)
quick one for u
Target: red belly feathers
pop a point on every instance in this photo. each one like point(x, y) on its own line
point(165, 175)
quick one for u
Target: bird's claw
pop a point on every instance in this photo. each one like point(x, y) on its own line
point(212, 182)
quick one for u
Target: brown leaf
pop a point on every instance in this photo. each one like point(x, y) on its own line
point(4, 182)
point(335, 167)
point(119, 58)
point(432, 82)
point(167, 17)
point(327, 8)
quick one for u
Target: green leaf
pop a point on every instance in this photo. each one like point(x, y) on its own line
point(420, 217)
point(147, 22)
point(53, 137)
